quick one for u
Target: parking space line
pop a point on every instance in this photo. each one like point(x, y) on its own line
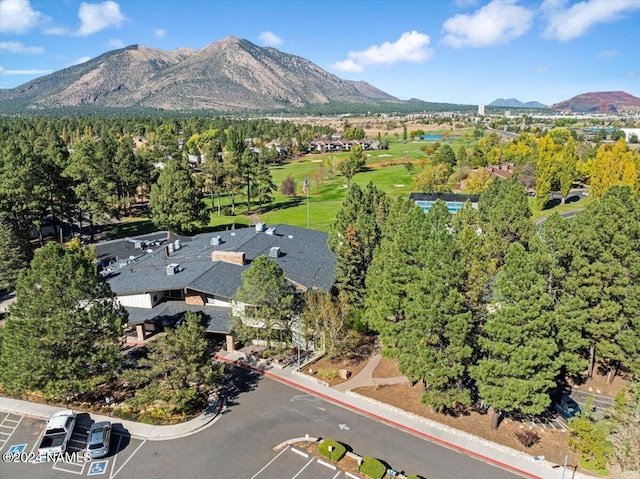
point(337, 474)
point(13, 428)
point(113, 474)
point(57, 467)
point(268, 464)
point(305, 466)
point(326, 464)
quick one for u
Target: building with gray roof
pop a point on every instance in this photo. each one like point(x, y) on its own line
point(157, 279)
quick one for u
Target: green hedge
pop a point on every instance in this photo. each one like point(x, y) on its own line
point(336, 454)
point(413, 476)
point(373, 468)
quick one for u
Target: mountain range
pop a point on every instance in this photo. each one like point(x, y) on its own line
point(230, 76)
point(513, 103)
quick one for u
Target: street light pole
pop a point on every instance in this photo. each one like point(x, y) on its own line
point(299, 333)
point(564, 468)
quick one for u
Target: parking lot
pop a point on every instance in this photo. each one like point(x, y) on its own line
point(294, 463)
point(20, 437)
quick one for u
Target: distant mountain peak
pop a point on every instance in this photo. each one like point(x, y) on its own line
point(600, 102)
point(514, 103)
point(232, 74)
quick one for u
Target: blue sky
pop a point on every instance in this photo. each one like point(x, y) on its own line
point(458, 51)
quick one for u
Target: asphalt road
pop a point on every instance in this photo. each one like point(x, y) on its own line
point(260, 414)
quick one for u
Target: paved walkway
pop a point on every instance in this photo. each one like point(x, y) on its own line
point(365, 377)
point(501, 456)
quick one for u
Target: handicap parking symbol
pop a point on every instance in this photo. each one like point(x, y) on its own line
point(17, 448)
point(96, 468)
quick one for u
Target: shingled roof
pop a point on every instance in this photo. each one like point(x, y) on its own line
point(304, 257)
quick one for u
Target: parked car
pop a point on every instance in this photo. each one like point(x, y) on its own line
point(58, 432)
point(566, 406)
point(98, 439)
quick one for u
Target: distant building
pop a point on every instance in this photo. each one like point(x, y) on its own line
point(454, 201)
point(481, 110)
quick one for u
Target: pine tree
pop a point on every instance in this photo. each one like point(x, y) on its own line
point(517, 367)
point(269, 300)
point(63, 332)
point(436, 347)
point(175, 202)
point(603, 283)
point(354, 236)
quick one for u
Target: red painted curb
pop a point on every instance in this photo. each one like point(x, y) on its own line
point(380, 418)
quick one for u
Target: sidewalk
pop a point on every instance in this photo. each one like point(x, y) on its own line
point(487, 451)
point(137, 430)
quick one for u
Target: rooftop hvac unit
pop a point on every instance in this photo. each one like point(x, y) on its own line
point(270, 231)
point(177, 245)
point(260, 227)
point(274, 252)
point(173, 268)
point(216, 240)
point(170, 248)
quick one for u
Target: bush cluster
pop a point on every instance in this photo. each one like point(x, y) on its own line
point(527, 438)
point(337, 451)
point(372, 468)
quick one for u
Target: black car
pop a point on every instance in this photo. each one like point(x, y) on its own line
point(566, 406)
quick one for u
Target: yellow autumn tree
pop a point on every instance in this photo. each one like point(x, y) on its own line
point(614, 165)
point(478, 181)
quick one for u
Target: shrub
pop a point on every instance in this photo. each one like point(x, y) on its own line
point(372, 468)
point(328, 373)
point(337, 450)
point(527, 438)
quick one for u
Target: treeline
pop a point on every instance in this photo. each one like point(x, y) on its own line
point(546, 162)
point(486, 307)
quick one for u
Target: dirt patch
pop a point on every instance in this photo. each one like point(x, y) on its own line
point(386, 368)
point(325, 368)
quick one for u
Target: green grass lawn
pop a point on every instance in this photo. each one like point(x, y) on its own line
point(385, 168)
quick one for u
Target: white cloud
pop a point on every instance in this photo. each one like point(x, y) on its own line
point(410, 47)
point(159, 32)
point(568, 23)
point(18, 16)
point(270, 39)
point(98, 16)
point(497, 22)
point(465, 3)
point(115, 43)
point(56, 31)
point(608, 54)
point(18, 47)
point(81, 60)
point(25, 72)
point(630, 74)
point(541, 69)
point(1, 69)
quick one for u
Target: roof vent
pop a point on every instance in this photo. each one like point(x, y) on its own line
point(274, 252)
point(290, 236)
point(271, 231)
point(260, 227)
point(173, 268)
point(216, 240)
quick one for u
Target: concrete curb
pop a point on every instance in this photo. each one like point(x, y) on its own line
point(137, 430)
